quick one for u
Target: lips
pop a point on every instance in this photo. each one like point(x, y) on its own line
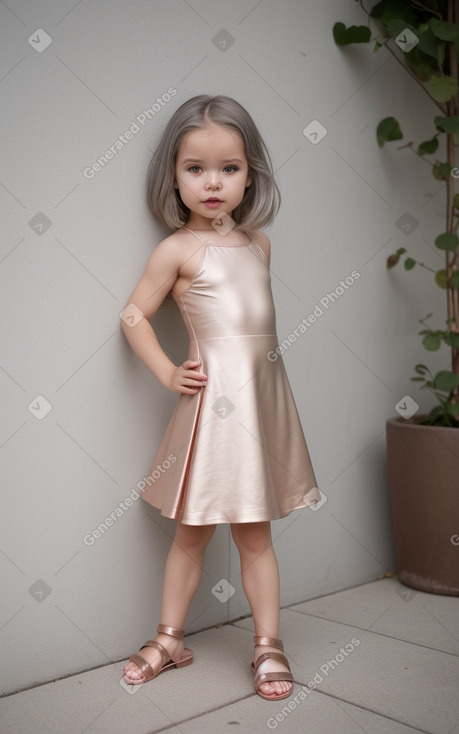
point(213, 202)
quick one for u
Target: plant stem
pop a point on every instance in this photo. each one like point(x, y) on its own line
point(452, 294)
point(423, 7)
point(441, 107)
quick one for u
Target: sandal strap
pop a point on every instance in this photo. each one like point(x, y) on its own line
point(268, 677)
point(164, 653)
point(271, 656)
point(268, 641)
point(172, 631)
point(145, 666)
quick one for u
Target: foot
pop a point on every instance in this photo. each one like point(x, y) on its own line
point(275, 687)
point(133, 674)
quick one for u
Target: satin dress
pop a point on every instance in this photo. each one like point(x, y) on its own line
point(235, 451)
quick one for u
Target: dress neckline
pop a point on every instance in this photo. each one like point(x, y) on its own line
point(220, 244)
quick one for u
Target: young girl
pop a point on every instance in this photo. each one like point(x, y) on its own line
point(234, 451)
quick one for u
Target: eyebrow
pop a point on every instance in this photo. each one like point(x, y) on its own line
point(199, 160)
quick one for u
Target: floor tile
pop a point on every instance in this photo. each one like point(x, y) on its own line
point(387, 676)
point(390, 608)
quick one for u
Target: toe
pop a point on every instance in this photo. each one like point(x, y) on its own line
point(283, 687)
point(276, 688)
point(132, 672)
point(268, 689)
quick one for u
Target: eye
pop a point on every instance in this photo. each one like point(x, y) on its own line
point(233, 168)
point(194, 169)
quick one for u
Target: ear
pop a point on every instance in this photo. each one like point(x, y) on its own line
point(248, 182)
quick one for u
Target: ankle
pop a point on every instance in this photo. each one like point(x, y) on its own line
point(172, 644)
point(264, 641)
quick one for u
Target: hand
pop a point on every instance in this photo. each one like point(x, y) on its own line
point(186, 379)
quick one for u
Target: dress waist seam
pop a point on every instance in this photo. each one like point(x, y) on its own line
point(233, 336)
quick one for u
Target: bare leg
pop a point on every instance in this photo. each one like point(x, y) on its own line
point(260, 581)
point(181, 579)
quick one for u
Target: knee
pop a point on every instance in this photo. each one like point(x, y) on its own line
point(252, 538)
point(193, 537)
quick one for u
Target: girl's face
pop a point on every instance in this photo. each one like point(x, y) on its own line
point(211, 173)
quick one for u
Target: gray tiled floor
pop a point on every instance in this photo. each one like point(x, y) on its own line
point(398, 673)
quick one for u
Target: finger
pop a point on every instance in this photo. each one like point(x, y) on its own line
point(196, 376)
point(190, 382)
point(188, 390)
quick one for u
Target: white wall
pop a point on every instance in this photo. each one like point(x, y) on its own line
point(62, 292)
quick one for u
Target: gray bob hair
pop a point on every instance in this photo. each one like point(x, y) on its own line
point(261, 199)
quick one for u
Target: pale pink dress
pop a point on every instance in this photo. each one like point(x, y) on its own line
point(235, 451)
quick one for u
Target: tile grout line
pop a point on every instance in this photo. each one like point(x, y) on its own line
point(204, 713)
point(371, 711)
point(372, 632)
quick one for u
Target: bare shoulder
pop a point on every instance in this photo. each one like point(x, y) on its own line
point(172, 250)
point(262, 240)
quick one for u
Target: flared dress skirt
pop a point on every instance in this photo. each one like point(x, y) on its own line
point(235, 451)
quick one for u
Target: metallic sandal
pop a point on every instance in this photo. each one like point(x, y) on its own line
point(166, 659)
point(268, 677)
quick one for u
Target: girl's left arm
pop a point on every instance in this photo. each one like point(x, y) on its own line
point(263, 241)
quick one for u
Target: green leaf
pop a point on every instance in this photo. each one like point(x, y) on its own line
point(446, 380)
point(354, 34)
point(428, 43)
point(436, 411)
point(423, 66)
point(417, 379)
point(387, 10)
point(452, 408)
point(428, 146)
point(388, 129)
point(443, 30)
point(431, 342)
point(452, 340)
point(398, 27)
point(441, 279)
point(447, 124)
point(431, 46)
point(442, 88)
point(454, 280)
point(421, 369)
point(456, 201)
point(447, 242)
point(441, 171)
point(401, 250)
point(409, 263)
point(435, 417)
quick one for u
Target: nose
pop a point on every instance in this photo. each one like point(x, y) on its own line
point(213, 182)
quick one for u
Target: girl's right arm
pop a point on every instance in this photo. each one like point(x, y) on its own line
point(160, 274)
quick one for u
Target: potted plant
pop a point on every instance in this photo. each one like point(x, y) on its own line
point(423, 449)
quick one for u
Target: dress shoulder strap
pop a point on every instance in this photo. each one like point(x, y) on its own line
point(260, 249)
point(195, 234)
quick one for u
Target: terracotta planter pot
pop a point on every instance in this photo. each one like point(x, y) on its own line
point(423, 469)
